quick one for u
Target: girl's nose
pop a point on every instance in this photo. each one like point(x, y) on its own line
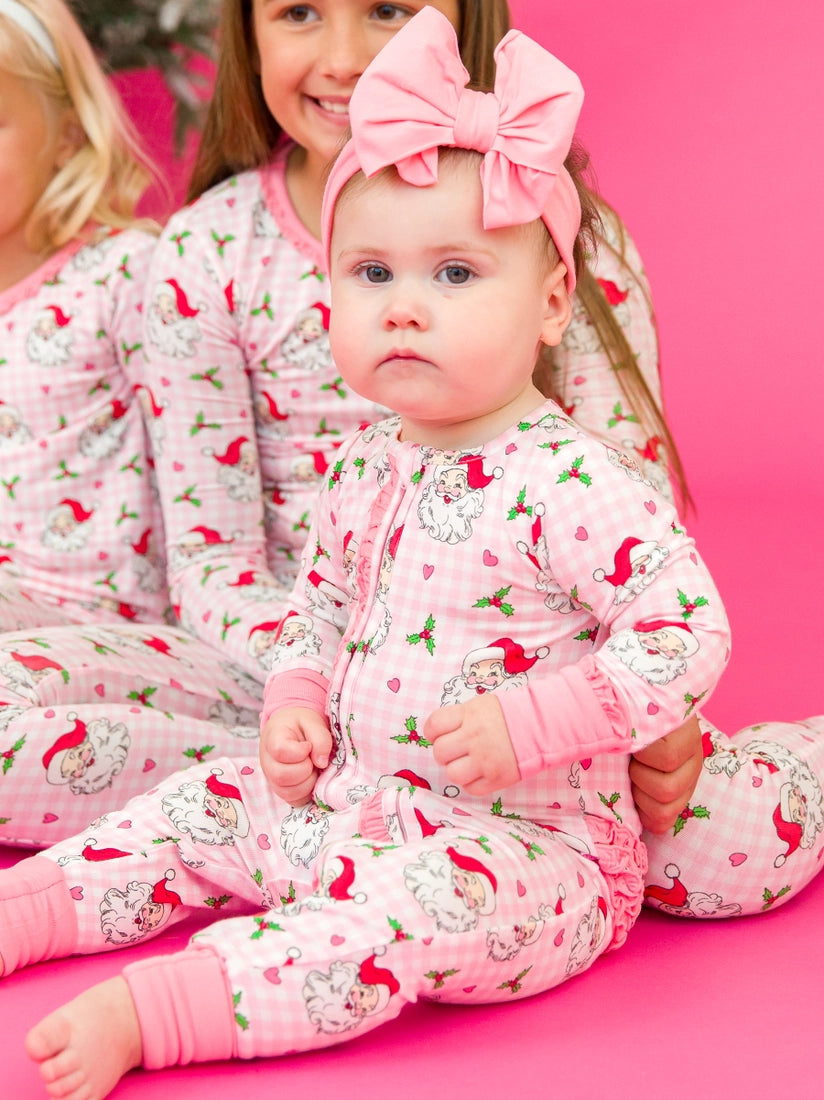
point(344, 50)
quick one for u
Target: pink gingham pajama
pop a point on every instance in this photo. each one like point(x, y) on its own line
point(429, 578)
point(173, 710)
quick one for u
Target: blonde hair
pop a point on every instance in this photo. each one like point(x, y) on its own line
point(240, 133)
point(103, 179)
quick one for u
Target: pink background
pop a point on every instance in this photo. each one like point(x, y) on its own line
point(703, 118)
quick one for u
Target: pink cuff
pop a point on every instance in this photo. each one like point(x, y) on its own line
point(184, 1007)
point(38, 919)
point(301, 687)
point(573, 714)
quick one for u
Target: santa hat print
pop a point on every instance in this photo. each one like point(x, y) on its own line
point(323, 311)
point(81, 515)
point(205, 535)
point(92, 854)
point(612, 292)
point(53, 757)
point(231, 456)
point(61, 319)
point(512, 655)
point(394, 539)
point(216, 786)
point(340, 886)
point(628, 553)
point(181, 301)
point(475, 474)
point(474, 866)
point(272, 407)
point(119, 410)
point(35, 662)
point(382, 979)
point(229, 295)
point(674, 895)
point(141, 547)
point(162, 895)
point(789, 832)
point(156, 409)
point(682, 629)
point(320, 463)
point(537, 534)
point(269, 627)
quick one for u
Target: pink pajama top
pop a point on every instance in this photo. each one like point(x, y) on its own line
point(537, 567)
point(79, 521)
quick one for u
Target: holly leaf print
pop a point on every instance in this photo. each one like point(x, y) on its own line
point(520, 508)
point(575, 473)
point(424, 636)
point(496, 600)
point(619, 416)
point(689, 606)
point(241, 1021)
point(412, 737)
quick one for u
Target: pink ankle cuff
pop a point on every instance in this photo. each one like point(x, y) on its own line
point(38, 920)
point(184, 1007)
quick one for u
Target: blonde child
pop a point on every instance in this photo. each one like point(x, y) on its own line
point(508, 857)
point(246, 410)
point(89, 697)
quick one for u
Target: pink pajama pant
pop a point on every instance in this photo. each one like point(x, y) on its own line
point(329, 922)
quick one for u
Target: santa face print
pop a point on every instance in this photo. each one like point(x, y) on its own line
point(470, 888)
point(76, 761)
point(363, 999)
point(424, 299)
point(665, 642)
point(151, 916)
point(485, 674)
point(222, 810)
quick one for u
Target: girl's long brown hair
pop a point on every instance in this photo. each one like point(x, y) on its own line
point(239, 133)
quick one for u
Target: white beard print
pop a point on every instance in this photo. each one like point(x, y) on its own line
point(49, 351)
point(66, 540)
point(434, 889)
point(655, 668)
point(103, 444)
point(302, 832)
point(177, 339)
point(449, 523)
point(239, 484)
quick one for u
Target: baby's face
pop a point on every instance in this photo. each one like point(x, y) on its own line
point(435, 317)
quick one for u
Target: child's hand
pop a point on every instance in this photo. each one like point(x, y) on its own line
point(472, 742)
point(294, 747)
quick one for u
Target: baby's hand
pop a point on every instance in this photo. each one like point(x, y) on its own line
point(472, 742)
point(294, 747)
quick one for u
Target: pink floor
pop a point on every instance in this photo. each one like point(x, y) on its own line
point(686, 1008)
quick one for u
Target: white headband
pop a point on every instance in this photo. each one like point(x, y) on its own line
point(29, 22)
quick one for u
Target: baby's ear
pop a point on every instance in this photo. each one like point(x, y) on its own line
point(72, 138)
point(558, 311)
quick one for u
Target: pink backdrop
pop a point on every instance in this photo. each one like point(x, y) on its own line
point(704, 123)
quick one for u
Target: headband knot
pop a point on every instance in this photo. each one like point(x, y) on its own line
point(476, 121)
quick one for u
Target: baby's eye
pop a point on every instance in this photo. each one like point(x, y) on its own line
point(454, 274)
point(375, 273)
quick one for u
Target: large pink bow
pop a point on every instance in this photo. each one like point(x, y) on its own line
point(413, 98)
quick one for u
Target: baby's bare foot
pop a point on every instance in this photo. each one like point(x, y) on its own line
point(85, 1047)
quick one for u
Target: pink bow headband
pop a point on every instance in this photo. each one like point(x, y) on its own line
point(413, 98)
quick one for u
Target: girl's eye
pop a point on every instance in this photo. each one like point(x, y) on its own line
point(300, 13)
point(389, 13)
point(455, 275)
point(375, 273)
